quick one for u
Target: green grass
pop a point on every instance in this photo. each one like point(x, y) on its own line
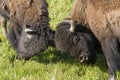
point(51, 64)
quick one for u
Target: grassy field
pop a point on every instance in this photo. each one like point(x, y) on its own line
point(51, 64)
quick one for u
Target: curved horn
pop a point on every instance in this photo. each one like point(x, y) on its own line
point(28, 30)
point(72, 24)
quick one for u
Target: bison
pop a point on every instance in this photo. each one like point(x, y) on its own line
point(102, 17)
point(75, 40)
point(29, 31)
point(4, 15)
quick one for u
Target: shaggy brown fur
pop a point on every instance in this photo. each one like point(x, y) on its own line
point(103, 18)
point(30, 32)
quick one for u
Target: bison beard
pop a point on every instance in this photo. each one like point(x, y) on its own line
point(78, 43)
point(103, 18)
point(29, 33)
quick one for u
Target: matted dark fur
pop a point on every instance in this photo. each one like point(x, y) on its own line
point(103, 18)
point(29, 32)
point(78, 43)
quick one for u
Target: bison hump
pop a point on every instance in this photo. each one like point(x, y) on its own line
point(106, 5)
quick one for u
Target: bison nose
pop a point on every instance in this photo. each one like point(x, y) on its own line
point(83, 58)
point(23, 56)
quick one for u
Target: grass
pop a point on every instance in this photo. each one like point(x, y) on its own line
point(51, 64)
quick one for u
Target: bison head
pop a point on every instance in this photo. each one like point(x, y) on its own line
point(78, 44)
point(30, 27)
point(34, 39)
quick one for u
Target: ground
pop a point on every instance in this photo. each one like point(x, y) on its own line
point(51, 64)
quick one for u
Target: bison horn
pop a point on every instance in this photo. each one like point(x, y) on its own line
point(72, 24)
point(28, 31)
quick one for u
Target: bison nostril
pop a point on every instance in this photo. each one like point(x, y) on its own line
point(23, 57)
point(83, 58)
point(20, 57)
